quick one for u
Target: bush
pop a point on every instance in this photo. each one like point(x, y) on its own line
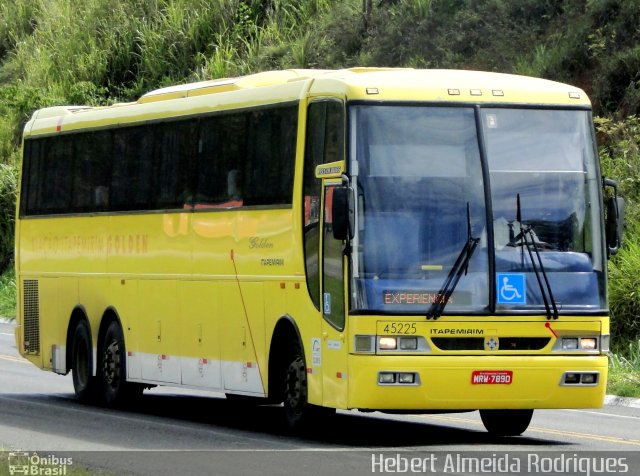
point(8, 187)
point(8, 293)
point(620, 159)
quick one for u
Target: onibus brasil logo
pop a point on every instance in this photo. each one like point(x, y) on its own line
point(21, 462)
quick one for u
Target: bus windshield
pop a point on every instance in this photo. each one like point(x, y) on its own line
point(421, 193)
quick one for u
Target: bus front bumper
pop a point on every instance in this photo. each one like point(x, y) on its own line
point(476, 382)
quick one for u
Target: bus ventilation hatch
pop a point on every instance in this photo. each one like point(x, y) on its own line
point(31, 318)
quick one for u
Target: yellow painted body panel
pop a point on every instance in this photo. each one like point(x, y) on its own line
point(208, 287)
point(183, 284)
point(377, 84)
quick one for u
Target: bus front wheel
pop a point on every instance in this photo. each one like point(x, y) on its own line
point(299, 413)
point(295, 392)
point(506, 422)
point(81, 362)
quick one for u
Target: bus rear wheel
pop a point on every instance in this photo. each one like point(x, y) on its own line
point(115, 390)
point(506, 422)
point(82, 363)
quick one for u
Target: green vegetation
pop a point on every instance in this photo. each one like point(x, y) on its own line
point(620, 158)
point(8, 294)
point(624, 372)
point(104, 51)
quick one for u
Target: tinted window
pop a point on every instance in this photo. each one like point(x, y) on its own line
point(132, 177)
point(56, 177)
point(231, 159)
point(91, 172)
point(222, 149)
point(174, 158)
point(324, 143)
point(271, 156)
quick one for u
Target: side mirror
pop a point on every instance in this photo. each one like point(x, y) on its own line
point(343, 213)
point(614, 224)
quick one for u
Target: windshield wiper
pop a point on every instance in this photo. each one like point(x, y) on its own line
point(460, 266)
point(528, 237)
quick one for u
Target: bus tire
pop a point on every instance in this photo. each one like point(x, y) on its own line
point(82, 362)
point(299, 413)
point(115, 390)
point(295, 392)
point(506, 422)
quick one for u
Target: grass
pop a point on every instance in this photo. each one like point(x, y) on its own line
point(8, 294)
point(624, 372)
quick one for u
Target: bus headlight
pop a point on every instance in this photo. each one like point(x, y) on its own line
point(408, 343)
point(388, 343)
point(577, 344)
point(365, 344)
point(371, 344)
point(402, 344)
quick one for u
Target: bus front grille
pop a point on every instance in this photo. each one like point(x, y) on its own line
point(31, 316)
point(478, 343)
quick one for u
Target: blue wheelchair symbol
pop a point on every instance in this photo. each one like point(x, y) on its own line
point(511, 288)
point(326, 308)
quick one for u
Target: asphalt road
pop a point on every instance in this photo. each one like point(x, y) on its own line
point(183, 432)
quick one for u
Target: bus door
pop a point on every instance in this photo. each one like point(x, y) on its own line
point(334, 332)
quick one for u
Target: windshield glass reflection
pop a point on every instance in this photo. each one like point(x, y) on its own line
point(418, 169)
point(546, 158)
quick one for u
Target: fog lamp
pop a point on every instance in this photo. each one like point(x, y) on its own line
point(406, 377)
point(386, 377)
point(571, 378)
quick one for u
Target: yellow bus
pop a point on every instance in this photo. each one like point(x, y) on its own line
point(391, 240)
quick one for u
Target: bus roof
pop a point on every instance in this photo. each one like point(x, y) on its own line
point(373, 84)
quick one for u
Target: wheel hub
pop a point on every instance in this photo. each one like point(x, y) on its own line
point(111, 366)
point(295, 383)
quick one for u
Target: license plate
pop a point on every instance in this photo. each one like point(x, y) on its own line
point(492, 377)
